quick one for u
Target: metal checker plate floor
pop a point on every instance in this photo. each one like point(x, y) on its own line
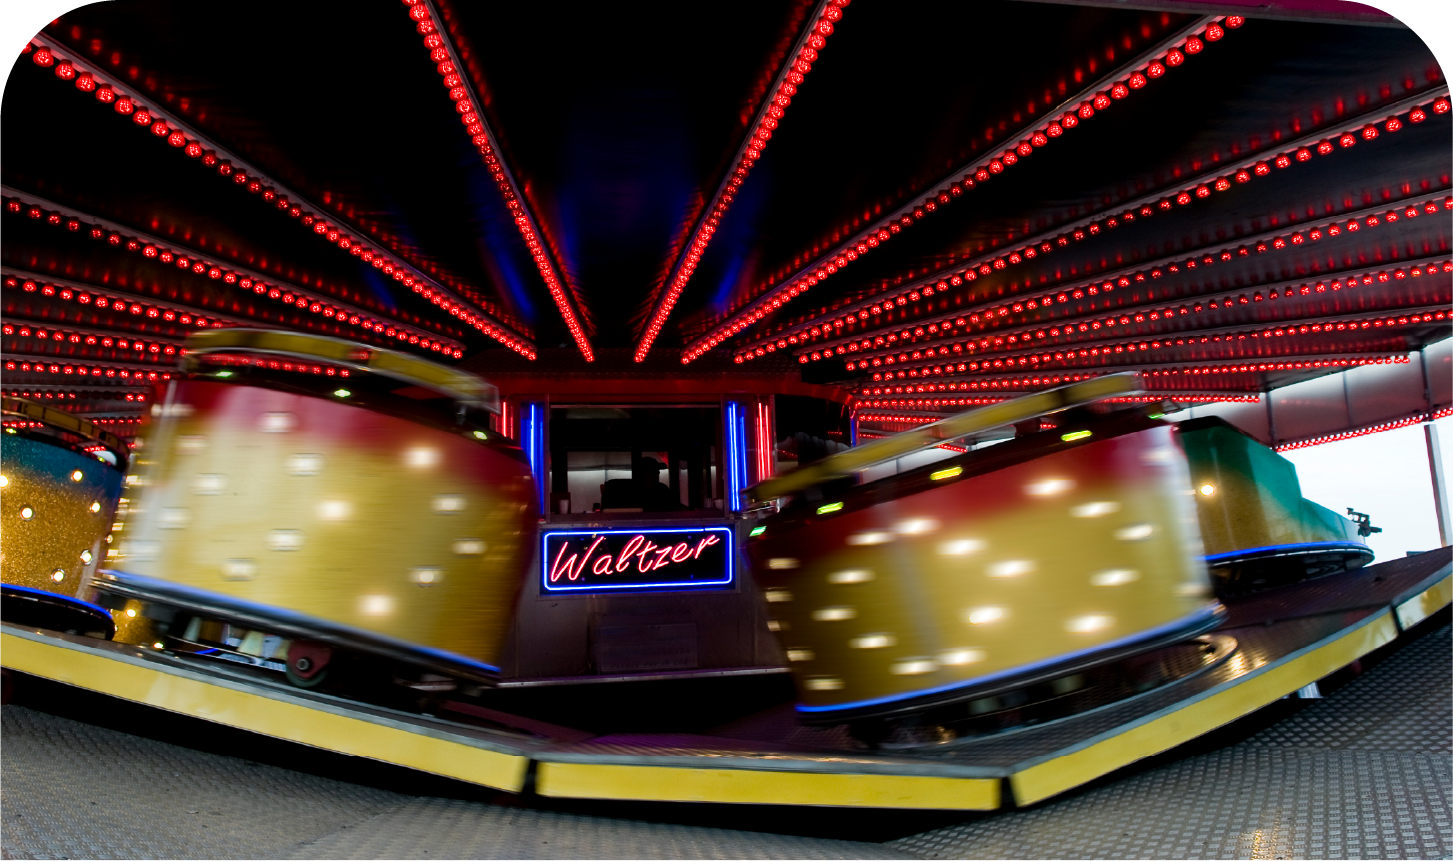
point(1364, 772)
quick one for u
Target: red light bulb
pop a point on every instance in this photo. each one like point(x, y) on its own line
point(1349, 138)
point(43, 57)
point(124, 105)
point(105, 94)
point(1393, 124)
point(1441, 106)
point(1304, 154)
point(1234, 21)
point(1283, 161)
point(1069, 120)
point(1054, 130)
point(1194, 45)
point(1086, 111)
point(1174, 58)
point(1102, 101)
point(159, 128)
point(1324, 147)
point(65, 71)
point(1119, 91)
point(1416, 115)
point(1137, 80)
point(1214, 33)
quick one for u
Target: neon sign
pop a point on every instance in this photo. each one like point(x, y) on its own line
point(640, 559)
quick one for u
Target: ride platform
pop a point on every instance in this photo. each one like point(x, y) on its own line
point(1272, 645)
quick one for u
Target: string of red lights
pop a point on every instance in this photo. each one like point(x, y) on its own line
point(1068, 358)
point(133, 374)
point(1120, 83)
point(1419, 418)
point(186, 259)
point(1187, 190)
point(47, 52)
point(1151, 310)
point(46, 393)
point(50, 335)
point(813, 39)
point(86, 294)
point(932, 404)
point(1287, 236)
point(1190, 368)
point(468, 106)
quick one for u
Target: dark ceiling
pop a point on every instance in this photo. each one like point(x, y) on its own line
point(618, 124)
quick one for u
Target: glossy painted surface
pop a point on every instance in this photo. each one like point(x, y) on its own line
point(56, 546)
point(1248, 496)
point(326, 509)
point(985, 575)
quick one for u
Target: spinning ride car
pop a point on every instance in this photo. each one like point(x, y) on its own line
point(58, 498)
point(1016, 564)
point(1258, 529)
point(301, 500)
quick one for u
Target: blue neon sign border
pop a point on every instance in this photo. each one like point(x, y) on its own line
point(688, 584)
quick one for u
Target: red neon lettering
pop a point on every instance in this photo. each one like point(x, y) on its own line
point(638, 550)
point(572, 569)
point(624, 561)
point(555, 566)
point(643, 564)
point(705, 543)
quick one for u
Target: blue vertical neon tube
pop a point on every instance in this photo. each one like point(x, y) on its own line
point(736, 436)
point(535, 448)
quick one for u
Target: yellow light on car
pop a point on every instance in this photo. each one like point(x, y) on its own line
point(1207, 489)
point(830, 508)
point(1074, 435)
point(946, 473)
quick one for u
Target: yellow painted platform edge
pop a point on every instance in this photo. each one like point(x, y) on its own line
point(748, 786)
point(260, 714)
point(1425, 603)
point(1046, 779)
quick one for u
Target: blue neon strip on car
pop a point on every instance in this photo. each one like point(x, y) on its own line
point(166, 588)
point(55, 595)
point(1306, 547)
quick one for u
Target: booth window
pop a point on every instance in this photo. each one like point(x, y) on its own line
point(633, 460)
